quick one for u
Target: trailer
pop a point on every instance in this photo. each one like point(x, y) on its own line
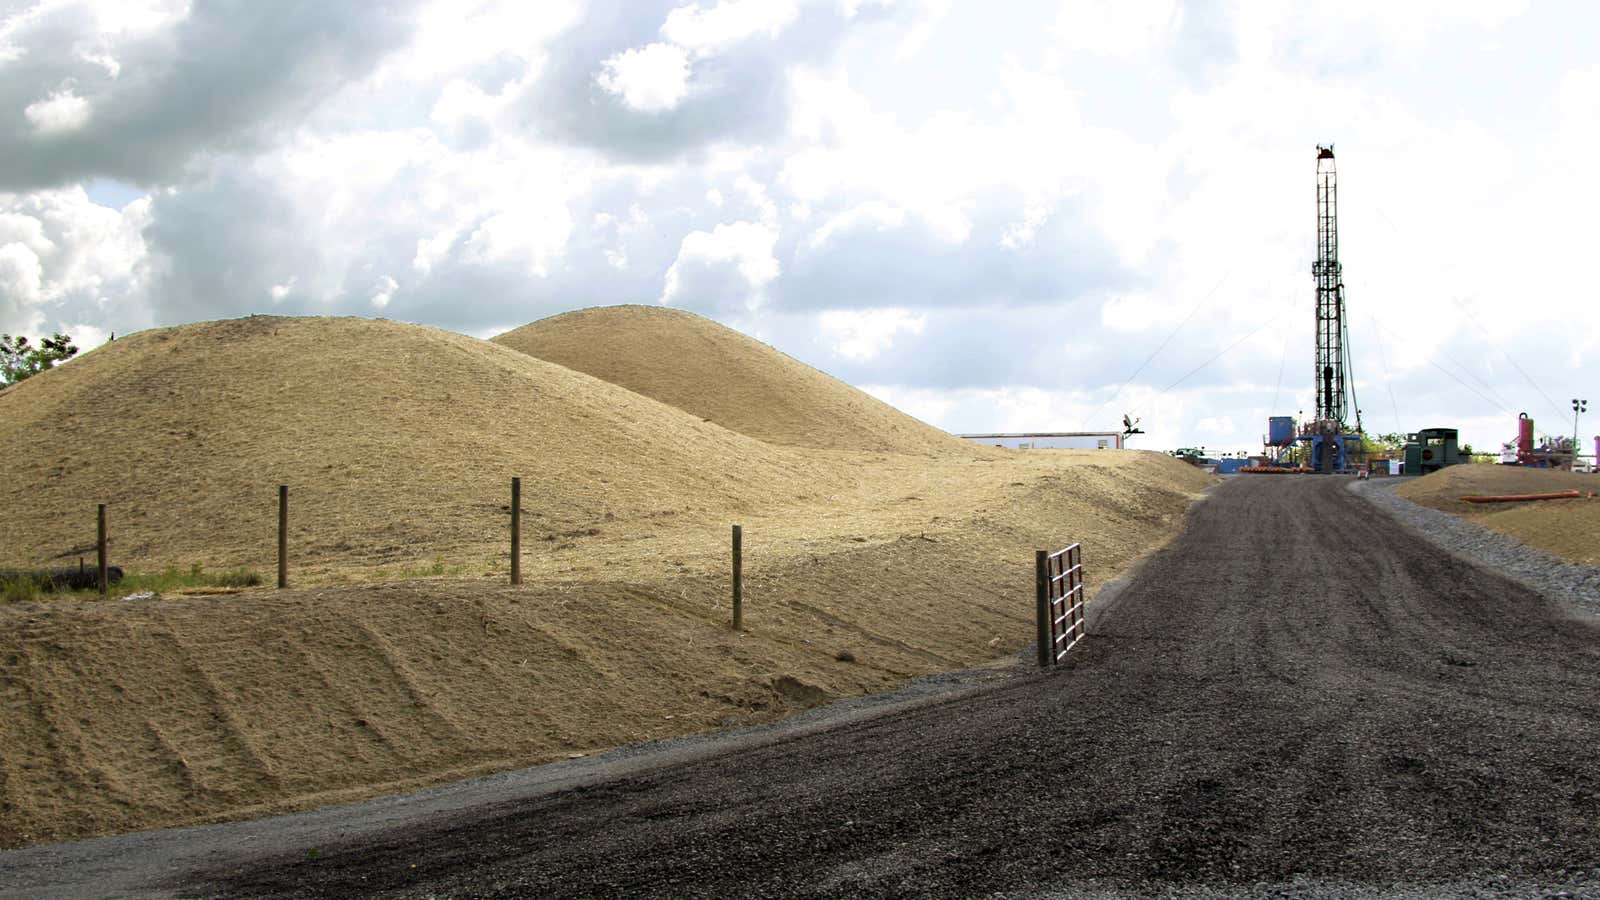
point(1051, 440)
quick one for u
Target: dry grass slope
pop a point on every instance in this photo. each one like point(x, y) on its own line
point(137, 714)
point(398, 442)
point(718, 374)
point(1566, 528)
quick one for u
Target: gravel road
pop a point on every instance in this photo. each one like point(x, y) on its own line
point(1298, 696)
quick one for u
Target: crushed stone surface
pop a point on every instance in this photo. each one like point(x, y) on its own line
point(1570, 582)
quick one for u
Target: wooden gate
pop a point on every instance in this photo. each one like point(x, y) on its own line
point(1058, 579)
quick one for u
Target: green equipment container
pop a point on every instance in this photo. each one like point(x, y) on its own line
point(1430, 450)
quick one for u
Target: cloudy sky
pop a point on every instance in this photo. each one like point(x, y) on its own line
point(997, 216)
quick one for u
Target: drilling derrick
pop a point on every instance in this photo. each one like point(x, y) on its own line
point(1331, 407)
point(1328, 437)
point(1330, 445)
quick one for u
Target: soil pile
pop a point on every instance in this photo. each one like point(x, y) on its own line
point(398, 443)
point(1566, 528)
point(863, 569)
point(725, 377)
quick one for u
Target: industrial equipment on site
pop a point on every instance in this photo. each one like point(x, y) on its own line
point(1552, 452)
point(1196, 456)
point(1332, 445)
point(1329, 435)
point(1430, 450)
point(1327, 442)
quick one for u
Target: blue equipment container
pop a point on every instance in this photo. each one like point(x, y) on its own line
point(1280, 430)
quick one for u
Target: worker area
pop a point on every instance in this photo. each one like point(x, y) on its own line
point(1332, 440)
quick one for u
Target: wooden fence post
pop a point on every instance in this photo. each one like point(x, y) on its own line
point(516, 530)
point(738, 578)
point(283, 536)
point(100, 544)
point(1078, 595)
point(1041, 588)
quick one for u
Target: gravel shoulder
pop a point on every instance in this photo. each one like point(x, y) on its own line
point(1570, 582)
point(1297, 696)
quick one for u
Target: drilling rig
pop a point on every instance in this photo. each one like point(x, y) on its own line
point(1332, 442)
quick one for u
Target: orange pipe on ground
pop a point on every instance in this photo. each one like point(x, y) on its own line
point(1272, 470)
point(1516, 498)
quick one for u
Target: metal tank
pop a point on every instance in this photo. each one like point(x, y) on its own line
point(1280, 430)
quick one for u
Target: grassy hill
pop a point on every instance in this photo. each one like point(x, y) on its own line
point(720, 375)
point(864, 568)
point(398, 443)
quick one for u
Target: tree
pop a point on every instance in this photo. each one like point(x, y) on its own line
point(1392, 442)
point(19, 359)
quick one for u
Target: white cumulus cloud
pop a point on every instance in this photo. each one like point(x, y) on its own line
point(729, 266)
point(706, 29)
point(21, 275)
point(62, 111)
point(862, 334)
point(651, 79)
point(65, 258)
point(383, 292)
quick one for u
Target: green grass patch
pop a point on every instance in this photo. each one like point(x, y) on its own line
point(20, 587)
point(25, 587)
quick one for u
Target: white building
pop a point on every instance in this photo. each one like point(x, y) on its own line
point(1058, 440)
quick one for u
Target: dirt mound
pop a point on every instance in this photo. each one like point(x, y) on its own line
point(1566, 528)
point(720, 375)
point(1445, 488)
point(398, 443)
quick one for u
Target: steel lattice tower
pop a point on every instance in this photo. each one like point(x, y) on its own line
point(1331, 404)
